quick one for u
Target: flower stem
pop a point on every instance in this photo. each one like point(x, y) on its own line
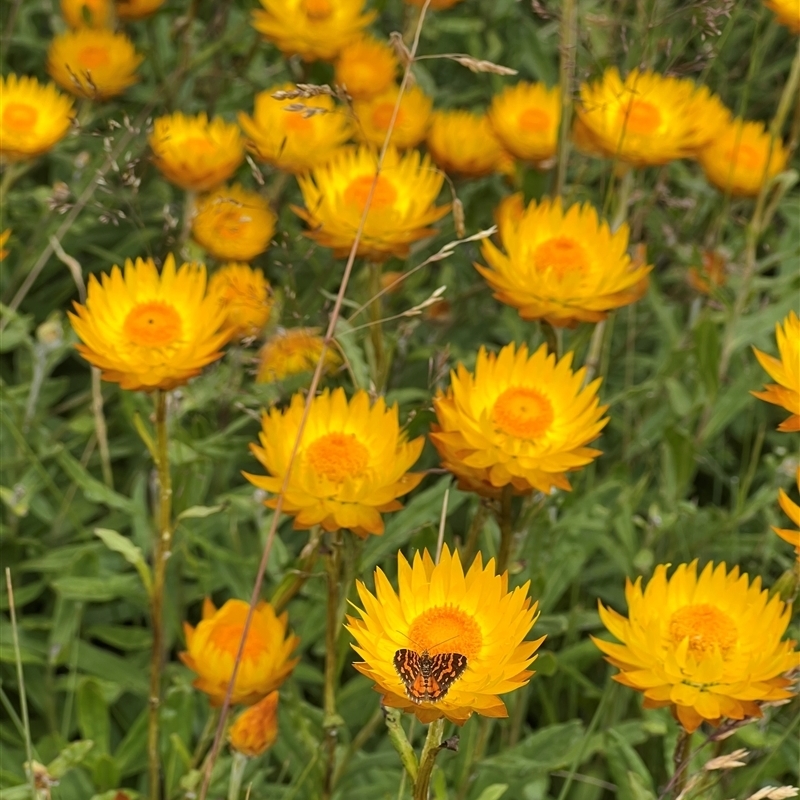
point(506, 522)
point(399, 740)
point(161, 552)
point(683, 750)
point(375, 328)
point(189, 205)
point(568, 47)
point(331, 720)
point(427, 759)
point(237, 773)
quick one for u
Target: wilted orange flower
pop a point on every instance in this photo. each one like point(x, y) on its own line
point(463, 143)
point(711, 276)
point(792, 510)
point(94, 63)
point(648, 118)
point(742, 158)
point(526, 118)
point(137, 9)
point(786, 371)
point(290, 352)
point(469, 627)
point(519, 419)
point(33, 117)
point(374, 116)
point(351, 466)
point(148, 331)
point(295, 141)
point(211, 650)
point(91, 13)
point(708, 647)
point(245, 296)
point(402, 205)
point(366, 67)
point(193, 153)
point(787, 12)
point(233, 224)
point(256, 729)
point(562, 266)
point(313, 29)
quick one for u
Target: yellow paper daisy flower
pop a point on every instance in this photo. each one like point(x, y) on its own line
point(196, 154)
point(373, 117)
point(792, 510)
point(526, 118)
point(256, 729)
point(88, 13)
point(468, 629)
point(742, 158)
point(519, 419)
point(352, 463)
point(245, 297)
point(33, 117)
point(401, 211)
point(148, 331)
point(366, 67)
point(564, 267)
point(233, 224)
point(787, 12)
point(292, 352)
point(313, 29)
point(708, 647)
point(93, 63)
point(648, 118)
point(786, 371)
point(129, 10)
point(463, 143)
point(295, 141)
point(211, 649)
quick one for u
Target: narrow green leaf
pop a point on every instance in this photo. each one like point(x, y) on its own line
point(93, 720)
point(93, 489)
point(200, 512)
point(129, 551)
point(71, 756)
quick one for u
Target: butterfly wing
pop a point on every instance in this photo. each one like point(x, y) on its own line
point(446, 669)
point(406, 662)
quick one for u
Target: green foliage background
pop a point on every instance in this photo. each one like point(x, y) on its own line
point(691, 465)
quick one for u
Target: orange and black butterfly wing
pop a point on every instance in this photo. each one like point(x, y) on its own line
point(406, 662)
point(446, 669)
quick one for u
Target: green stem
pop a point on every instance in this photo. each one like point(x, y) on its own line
point(399, 740)
point(506, 522)
point(237, 773)
point(568, 49)
point(12, 171)
point(189, 205)
point(428, 758)
point(681, 758)
point(294, 580)
point(376, 328)
point(474, 532)
point(331, 721)
point(161, 553)
point(623, 198)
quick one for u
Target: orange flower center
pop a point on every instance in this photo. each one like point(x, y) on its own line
point(382, 116)
point(94, 56)
point(706, 627)
point(523, 412)
point(20, 116)
point(446, 629)
point(232, 223)
point(640, 117)
point(561, 254)
point(153, 324)
point(297, 123)
point(227, 637)
point(357, 192)
point(534, 120)
point(747, 157)
point(198, 146)
point(338, 456)
point(317, 9)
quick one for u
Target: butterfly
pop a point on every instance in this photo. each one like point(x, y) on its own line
point(428, 677)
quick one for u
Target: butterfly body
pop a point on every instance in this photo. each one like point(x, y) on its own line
point(426, 677)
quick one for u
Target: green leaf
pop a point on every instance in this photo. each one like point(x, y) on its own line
point(73, 755)
point(624, 762)
point(97, 590)
point(129, 551)
point(494, 792)
point(131, 753)
point(93, 721)
point(94, 490)
point(199, 512)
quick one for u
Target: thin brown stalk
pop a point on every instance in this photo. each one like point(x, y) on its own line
point(567, 61)
point(312, 389)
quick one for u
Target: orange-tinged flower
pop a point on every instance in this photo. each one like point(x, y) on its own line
point(519, 419)
point(374, 116)
point(526, 118)
point(129, 10)
point(196, 154)
point(291, 352)
point(562, 266)
point(792, 510)
point(88, 13)
point(94, 63)
point(469, 624)
point(742, 158)
point(233, 224)
point(366, 67)
point(211, 650)
point(148, 331)
point(711, 276)
point(295, 141)
point(648, 118)
point(787, 12)
point(245, 296)
point(312, 28)
point(33, 117)
point(352, 463)
point(401, 211)
point(709, 647)
point(463, 143)
point(786, 371)
point(4, 237)
point(256, 728)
